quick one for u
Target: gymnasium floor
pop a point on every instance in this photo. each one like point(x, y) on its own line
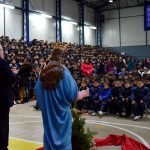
point(26, 131)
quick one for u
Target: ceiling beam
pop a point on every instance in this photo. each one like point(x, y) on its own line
point(88, 4)
point(122, 7)
point(106, 4)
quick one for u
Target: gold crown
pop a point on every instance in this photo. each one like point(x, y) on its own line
point(60, 45)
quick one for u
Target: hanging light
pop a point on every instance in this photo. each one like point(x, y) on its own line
point(110, 1)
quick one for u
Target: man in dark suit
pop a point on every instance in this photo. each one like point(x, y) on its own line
point(7, 79)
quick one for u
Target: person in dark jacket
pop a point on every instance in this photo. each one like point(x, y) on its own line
point(7, 79)
point(84, 103)
point(126, 94)
point(114, 102)
point(24, 76)
point(94, 97)
point(139, 97)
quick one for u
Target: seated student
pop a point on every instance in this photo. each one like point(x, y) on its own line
point(94, 97)
point(81, 104)
point(87, 68)
point(139, 97)
point(122, 73)
point(116, 90)
point(104, 97)
point(126, 99)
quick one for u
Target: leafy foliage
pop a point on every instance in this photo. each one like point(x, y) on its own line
point(81, 140)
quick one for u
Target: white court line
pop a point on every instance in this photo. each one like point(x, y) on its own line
point(26, 116)
point(25, 140)
point(94, 122)
point(136, 135)
point(13, 123)
point(130, 125)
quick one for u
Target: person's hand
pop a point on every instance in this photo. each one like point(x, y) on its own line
point(86, 93)
point(123, 99)
point(141, 101)
point(100, 98)
point(15, 71)
point(127, 99)
point(133, 102)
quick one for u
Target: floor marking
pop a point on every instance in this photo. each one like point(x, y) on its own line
point(130, 125)
point(25, 140)
point(13, 123)
point(136, 135)
point(26, 116)
point(99, 123)
point(19, 144)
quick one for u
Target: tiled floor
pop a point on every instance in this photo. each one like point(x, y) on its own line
point(26, 132)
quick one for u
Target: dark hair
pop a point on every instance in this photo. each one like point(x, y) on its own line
point(139, 80)
point(53, 72)
point(57, 55)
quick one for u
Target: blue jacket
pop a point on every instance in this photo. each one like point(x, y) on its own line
point(94, 92)
point(7, 79)
point(105, 94)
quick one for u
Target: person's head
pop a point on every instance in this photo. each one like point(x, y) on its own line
point(83, 84)
point(95, 82)
point(127, 84)
point(118, 83)
point(122, 69)
point(139, 83)
point(1, 52)
point(87, 61)
point(106, 85)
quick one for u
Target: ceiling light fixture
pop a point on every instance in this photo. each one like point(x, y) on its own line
point(46, 16)
point(7, 6)
point(110, 1)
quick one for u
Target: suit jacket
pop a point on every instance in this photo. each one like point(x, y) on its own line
point(7, 79)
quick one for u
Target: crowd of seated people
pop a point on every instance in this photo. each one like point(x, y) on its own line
point(117, 83)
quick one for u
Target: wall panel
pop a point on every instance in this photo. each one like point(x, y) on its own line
point(1, 21)
point(132, 30)
point(70, 10)
point(47, 6)
point(13, 23)
point(14, 2)
point(89, 36)
point(42, 29)
point(110, 34)
point(89, 16)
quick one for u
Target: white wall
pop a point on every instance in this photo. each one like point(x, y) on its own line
point(90, 36)
point(1, 21)
point(132, 27)
point(42, 28)
point(13, 24)
point(111, 33)
point(47, 6)
point(70, 10)
point(14, 2)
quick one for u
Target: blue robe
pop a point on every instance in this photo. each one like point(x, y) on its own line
point(56, 112)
